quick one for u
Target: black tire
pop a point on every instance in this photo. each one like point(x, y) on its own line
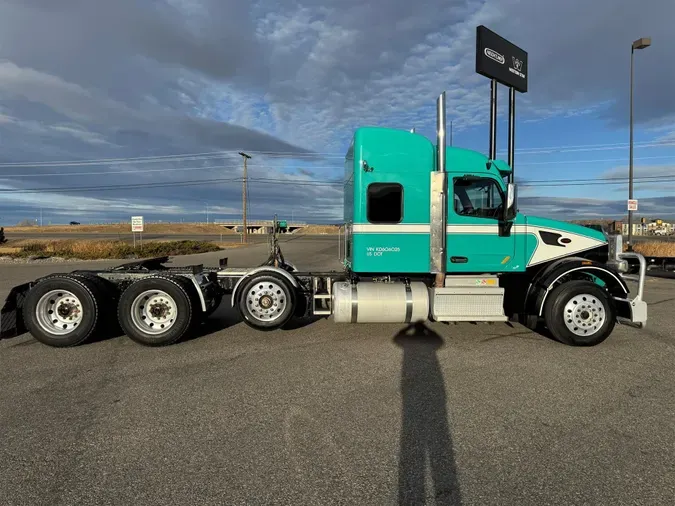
point(531, 321)
point(179, 311)
point(83, 321)
point(273, 287)
point(107, 296)
point(591, 313)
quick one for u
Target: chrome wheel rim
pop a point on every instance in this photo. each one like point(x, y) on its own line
point(584, 314)
point(154, 312)
point(59, 312)
point(266, 301)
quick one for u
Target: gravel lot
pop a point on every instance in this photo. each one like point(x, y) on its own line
point(340, 414)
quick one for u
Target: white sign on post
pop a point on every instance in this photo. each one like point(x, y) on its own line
point(632, 205)
point(137, 223)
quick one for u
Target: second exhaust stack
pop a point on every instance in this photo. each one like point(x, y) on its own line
point(440, 133)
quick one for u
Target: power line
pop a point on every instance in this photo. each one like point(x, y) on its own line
point(142, 170)
point(592, 147)
point(599, 180)
point(300, 155)
point(163, 158)
point(597, 160)
point(542, 183)
point(114, 172)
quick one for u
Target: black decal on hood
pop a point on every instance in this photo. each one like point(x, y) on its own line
point(553, 239)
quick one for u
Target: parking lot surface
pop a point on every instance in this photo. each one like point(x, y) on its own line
point(327, 413)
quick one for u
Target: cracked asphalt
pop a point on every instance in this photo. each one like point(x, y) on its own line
point(328, 413)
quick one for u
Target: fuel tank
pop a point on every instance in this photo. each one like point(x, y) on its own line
point(371, 302)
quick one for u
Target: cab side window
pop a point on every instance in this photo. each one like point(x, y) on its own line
point(480, 197)
point(385, 203)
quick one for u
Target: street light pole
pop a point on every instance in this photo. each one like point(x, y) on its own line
point(637, 44)
point(246, 157)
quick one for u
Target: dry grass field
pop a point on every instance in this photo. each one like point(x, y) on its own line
point(95, 250)
point(655, 249)
point(124, 228)
point(318, 230)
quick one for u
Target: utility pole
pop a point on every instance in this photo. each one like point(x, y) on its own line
point(638, 44)
point(243, 194)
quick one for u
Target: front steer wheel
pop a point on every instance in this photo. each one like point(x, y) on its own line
point(266, 301)
point(579, 313)
point(159, 310)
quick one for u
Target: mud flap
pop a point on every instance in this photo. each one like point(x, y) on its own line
point(11, 318)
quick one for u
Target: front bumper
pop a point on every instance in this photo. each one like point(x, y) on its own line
point(633, 311)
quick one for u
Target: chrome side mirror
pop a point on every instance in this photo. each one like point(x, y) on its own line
point(511, 207)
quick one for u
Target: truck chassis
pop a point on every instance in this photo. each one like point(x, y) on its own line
point(157, 305)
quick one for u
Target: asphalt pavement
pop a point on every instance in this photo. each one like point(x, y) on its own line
point(328, 413)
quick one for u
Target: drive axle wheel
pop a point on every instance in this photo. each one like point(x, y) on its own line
point(580, 313)
point(158, 310)
point(62, 310)
point(266, 301)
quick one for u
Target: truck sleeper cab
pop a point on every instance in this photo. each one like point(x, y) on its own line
point(496, 262)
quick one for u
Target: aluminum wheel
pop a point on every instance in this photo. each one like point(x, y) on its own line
point(58, 312)
point(584, 314)
point(266, 301)
point(154, 311)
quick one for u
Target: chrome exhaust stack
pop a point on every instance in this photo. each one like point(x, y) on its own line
point(440, 133)
point(438, 215)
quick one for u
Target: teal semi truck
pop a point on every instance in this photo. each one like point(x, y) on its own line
point(430, 233)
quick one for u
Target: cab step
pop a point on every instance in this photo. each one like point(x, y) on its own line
point(322, 298)
point(469, 302)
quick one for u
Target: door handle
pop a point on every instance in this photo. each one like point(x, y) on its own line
point(459, 260)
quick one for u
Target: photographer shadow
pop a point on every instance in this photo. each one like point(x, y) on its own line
point(425, 442)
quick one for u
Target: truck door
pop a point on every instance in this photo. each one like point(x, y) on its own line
point(473, 240)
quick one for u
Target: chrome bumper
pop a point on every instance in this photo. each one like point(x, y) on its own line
point(633, 312)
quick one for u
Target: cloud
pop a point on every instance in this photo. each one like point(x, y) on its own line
point(127, 79)
point(587, 208)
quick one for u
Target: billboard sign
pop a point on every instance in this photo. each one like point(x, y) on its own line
point(137, 223)
point(499, 59)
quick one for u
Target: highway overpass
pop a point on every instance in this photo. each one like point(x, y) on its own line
point(258, 226)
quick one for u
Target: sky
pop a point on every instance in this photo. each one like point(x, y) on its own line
point(140, 107)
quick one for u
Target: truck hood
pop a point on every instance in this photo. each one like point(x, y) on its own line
point(551, 239)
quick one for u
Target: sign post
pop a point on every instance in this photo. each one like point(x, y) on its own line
point(505, 63)
point(137, 226)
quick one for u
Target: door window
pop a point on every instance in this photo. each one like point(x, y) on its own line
point(478, 197)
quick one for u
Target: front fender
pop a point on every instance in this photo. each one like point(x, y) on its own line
point(546, 280)
point(258, 270)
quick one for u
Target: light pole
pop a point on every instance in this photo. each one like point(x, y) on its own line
point(637, 44)
point(243, 193)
